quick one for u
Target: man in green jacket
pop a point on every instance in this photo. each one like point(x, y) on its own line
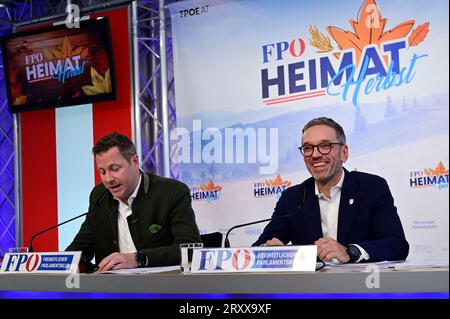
point(135, 219)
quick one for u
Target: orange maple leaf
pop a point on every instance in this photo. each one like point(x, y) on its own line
point(419, 34)
point(211, 186)
point(84, 53)
point(369, 29)
point(440, 170)
point(278, 182)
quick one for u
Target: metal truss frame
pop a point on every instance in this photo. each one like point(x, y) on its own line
point(156, 87)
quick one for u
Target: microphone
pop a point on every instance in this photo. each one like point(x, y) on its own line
point(97, 204)
point(300, 204)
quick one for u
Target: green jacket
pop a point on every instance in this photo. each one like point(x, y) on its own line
point(161, 219)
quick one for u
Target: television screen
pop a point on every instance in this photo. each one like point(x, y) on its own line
point(59, 66)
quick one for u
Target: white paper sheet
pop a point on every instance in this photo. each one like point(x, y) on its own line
point(145, 270)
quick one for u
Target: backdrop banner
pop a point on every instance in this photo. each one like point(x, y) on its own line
point(249, 74)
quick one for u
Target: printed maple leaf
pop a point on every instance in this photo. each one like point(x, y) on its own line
point(22, 99)
point(440, 170)
point(419, 34)
point(100, 84)
point(67, 51)
point(211, 186)
point(369, 29)
point(278, 182)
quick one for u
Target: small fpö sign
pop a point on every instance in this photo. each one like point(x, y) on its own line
point(49, 262)
point(255, 259)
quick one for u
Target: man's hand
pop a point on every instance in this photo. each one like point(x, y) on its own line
point(328, 248)
point(117, 261)
point(274, 242)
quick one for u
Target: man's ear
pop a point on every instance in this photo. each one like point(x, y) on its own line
point(135, 160)
point(345, 153)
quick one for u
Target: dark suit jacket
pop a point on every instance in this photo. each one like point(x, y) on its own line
point(159, 202)
point(367, 217)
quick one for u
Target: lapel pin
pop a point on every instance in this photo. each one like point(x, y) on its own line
point(351, 201)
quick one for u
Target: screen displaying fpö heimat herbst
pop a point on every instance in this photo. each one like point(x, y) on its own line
point(59, 66)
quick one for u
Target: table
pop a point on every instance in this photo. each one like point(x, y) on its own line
point(427, 280)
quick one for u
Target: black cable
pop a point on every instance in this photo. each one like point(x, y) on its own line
point(323, 264)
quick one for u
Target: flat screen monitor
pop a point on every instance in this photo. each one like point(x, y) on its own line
point(59, 66)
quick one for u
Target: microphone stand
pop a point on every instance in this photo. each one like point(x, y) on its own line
point(299, 206)
point(30, 247)
point(97, 204)
point(247, 224)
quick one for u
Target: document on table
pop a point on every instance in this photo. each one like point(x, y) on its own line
point(358, 267)
point(144, 270)
point(415, 264)
point(381, 264)
point(422, 263)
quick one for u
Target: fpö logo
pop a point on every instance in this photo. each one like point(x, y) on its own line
point(429, 177)
point(270, 187)
point(371, 57)
point(242, 259)
point(29, 262)
point(207, 192)
point(59, 63)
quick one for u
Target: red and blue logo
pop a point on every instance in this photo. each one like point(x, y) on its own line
point(429, 177)
point(207, 192)
point(371, 58)
point(270, 187)
point(38, 262)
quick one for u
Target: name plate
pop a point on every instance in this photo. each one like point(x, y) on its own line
point(58, 262)
point(255, 259)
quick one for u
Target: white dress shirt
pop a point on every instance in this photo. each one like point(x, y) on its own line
point(329, 213)
point(329, 209)
point(126, 244)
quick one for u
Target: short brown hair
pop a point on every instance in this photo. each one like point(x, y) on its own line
point(328, 122)
point(122, 142)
